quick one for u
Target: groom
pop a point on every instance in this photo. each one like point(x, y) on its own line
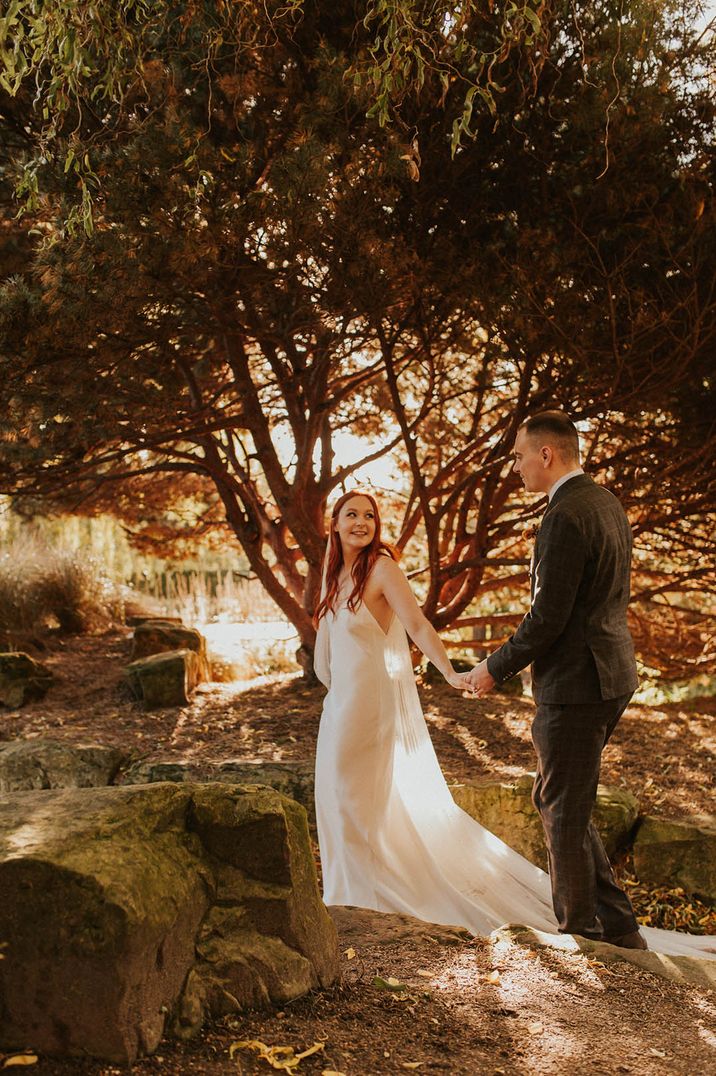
point(583, 670)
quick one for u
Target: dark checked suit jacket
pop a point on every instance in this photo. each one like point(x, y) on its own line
point(575, 634)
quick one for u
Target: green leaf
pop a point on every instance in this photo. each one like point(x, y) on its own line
point(533, 19)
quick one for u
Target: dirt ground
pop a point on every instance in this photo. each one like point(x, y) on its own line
point(468, 1005)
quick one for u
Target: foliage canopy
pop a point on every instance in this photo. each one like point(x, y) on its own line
point(285, 238)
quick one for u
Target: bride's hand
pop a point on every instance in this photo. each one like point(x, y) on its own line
point(458, 681)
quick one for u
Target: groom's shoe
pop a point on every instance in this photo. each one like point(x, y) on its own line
point(633, 940)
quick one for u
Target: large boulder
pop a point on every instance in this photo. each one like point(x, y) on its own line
point(164, 679)
point(677, 854)
point(22, 679)
point(101, 896)
point(124, 909)
point(162, 636)
point(506, 809)
point(268, 936)
point(28, 764)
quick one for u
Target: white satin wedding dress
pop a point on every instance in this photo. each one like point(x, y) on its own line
point(390, 834)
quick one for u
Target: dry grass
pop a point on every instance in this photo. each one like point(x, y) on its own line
point(44, 588)
point(205, 597)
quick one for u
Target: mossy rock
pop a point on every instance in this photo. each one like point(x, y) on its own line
point(126, 912)
point(506, 809)
point(22, 679)
point(148, 772)
point(163, 636)
point(164, 679)
point(293, 779)
point(668, 853)
point(29, 764)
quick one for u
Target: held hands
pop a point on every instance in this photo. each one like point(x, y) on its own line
point(468, 683)
point(478, 680)
point(458, 681)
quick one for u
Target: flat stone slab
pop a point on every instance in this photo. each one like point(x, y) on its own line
point(678, 969)
point(31, 764)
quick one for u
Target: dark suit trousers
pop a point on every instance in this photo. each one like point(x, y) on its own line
point(569, 740)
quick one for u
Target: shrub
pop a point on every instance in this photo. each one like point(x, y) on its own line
point(44, 588)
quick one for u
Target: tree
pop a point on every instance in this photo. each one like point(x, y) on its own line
point(266, 265)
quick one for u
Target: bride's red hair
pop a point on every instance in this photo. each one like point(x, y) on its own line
point(363, 563)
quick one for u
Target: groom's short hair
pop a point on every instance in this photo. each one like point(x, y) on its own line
point(556, 429)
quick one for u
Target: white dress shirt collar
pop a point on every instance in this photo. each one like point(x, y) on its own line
point(563, 479)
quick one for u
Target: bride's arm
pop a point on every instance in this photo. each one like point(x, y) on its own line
point(396, 591)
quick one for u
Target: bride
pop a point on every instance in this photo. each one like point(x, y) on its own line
point(390, 834)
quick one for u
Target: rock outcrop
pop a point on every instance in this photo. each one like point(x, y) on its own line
point(506, 810)
point(22, 679)
point(124, 910)
point(677, 854)
point(30, 764)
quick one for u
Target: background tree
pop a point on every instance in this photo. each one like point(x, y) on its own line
point(270, 259)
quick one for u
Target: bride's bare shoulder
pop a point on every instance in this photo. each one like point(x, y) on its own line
point(386, 568)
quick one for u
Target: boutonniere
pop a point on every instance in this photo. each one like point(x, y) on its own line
point(531, 532)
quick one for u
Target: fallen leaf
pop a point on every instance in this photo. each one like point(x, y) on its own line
point(657, 1053)
point(317, 1046)
point(332, 1072)
point(20, 1059)
point(388, 984)
point(535, 1028)
point(424, 974)
point(411, 1064)
point(284, 1058)
point(350, 953)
